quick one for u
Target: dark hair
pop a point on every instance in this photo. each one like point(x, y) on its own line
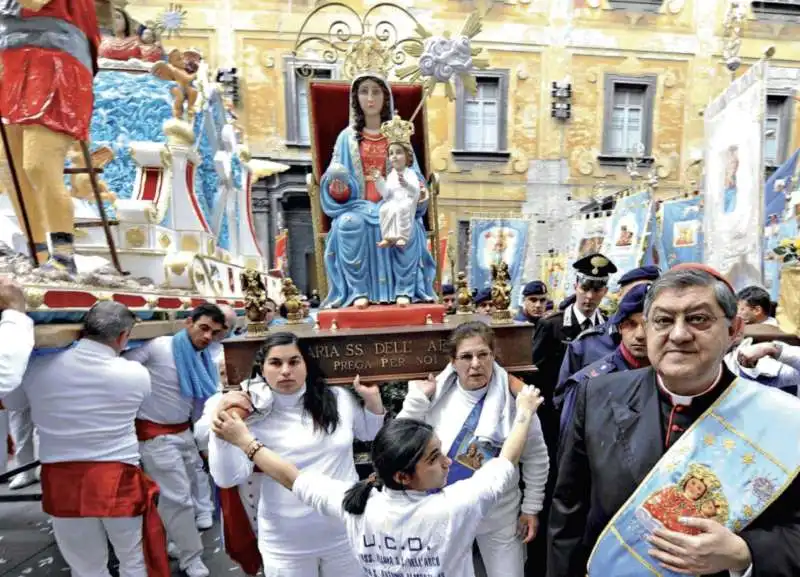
point(397, 448)
point(466, 331)
point(127, 18)
point(318, 401)
point(755, 296)
point(208, 310)
point(359, 122)
point(106, 320)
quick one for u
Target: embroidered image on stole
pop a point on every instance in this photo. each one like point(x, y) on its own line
point(468, 453)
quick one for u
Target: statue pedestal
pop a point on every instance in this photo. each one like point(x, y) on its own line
point(384, 354)
point(376, 316)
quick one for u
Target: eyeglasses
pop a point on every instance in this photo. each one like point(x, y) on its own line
point(695, 321)
point(483, 356)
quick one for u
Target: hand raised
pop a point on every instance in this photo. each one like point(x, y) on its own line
point(529, 399)
point(426, 387)
point(11, 295)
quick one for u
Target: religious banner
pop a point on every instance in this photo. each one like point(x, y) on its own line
point(554, 276)
point(681, 231)
point(282, 251)
point(625, 242)
point(733, 220)
point(587, 237)
point(493, 241)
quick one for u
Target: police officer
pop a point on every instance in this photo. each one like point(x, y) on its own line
point(599, 341)
point(534, 302)
point(550, 340)
point(449, 298)
point(483, 302)
point(631, 353)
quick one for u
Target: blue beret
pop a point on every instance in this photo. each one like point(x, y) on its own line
point(483, 296)
point(448, 289)
point(650, 273)
point(549, 306)
point(535, 287)
point(566, 302)
point(631, 303)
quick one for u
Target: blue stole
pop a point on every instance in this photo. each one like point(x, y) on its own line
point(467, 453)
point(730, 465)
point(197, 374)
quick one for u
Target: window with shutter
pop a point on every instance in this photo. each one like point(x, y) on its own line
point(628, 116)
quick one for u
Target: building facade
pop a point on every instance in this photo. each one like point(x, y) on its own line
point(636, 76)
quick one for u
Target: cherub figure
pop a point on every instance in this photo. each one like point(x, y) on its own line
point(401, 190)
point(81, 184)
point(181, 68)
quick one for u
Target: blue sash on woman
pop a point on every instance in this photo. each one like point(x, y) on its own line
point(468, 453)
point(729, 466)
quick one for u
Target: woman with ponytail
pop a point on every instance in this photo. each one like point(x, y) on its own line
point(302, 420)
point(403, 521)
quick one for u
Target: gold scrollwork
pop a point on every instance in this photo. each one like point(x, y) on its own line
point(34, 298)
point(164, 240)
point(135, 237)
point(152, 302)
point(178, 268)
point(189, 243)
point(211, 246)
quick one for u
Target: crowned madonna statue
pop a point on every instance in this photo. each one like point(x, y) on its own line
point(362, 266)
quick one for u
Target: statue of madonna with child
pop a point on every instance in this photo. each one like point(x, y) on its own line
point(375, 195)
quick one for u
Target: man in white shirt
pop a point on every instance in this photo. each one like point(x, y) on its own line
point(83, 402)
point(21, 429)
point(754, 306)
point(183, 377)
point(16, 336)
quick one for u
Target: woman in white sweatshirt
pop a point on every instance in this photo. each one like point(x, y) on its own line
point(471, 408)
point(403, 530)
point(312, 425)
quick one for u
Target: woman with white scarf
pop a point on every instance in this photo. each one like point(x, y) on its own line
point(310, 424)
point(471, 408)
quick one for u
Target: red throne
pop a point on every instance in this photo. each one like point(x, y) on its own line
point(329, 109)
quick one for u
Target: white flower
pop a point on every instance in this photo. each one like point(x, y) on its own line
point(444, 57)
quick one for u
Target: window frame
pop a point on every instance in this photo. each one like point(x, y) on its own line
point(502, 153)
point(650, 83)
point(292, 112)
point(785, 123)
point(648, 6)
point(775, 9)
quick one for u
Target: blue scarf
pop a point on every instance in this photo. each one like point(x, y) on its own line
point(197, 372)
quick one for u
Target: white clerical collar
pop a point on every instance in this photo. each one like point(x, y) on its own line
point(289, 400)
point(686, 400)
point(580, 317)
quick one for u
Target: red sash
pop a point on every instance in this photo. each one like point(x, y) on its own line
point(146, 430)
point(113, 489)
point(241, 543)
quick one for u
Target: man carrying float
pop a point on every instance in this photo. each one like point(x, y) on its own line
point(48, 54)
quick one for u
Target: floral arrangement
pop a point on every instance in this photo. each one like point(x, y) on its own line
point(788, 249)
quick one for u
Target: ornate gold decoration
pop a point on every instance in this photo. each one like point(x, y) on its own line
point(251, 262)
point(397, 130)
point(334, 325)
point(164, 240)
point(135, 237)
point(185, 303)
point(367, 56)
point(749, 459)
point(104, 297)
point(152, 302)
point(178, 268)
point(428, 320)
point(463, 296)
point(501, 293)
point(34, 298)
point(190, 243)
point(709, 440)
point(255, 296)
point(294, 308)
point(80, 233)
point(211, 246)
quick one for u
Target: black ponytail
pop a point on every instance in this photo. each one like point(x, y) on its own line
point(397, 448)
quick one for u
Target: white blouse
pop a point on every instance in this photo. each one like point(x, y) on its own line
point(285, 525)
point(410, 533)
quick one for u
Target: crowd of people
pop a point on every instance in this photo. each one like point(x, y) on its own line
point(607, 465)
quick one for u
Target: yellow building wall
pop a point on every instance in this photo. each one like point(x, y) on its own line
point(538, 41)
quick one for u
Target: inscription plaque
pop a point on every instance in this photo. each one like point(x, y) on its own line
point(378, 355)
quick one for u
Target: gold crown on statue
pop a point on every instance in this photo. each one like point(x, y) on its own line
point(367, 56)
point(397, 130)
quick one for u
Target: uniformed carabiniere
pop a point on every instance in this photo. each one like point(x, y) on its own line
point(628, 323)
point(550, 340)
point(599, 341)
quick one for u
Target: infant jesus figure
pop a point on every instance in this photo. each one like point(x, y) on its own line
point(402, 190)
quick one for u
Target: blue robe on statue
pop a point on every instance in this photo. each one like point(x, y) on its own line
point(356, 266)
